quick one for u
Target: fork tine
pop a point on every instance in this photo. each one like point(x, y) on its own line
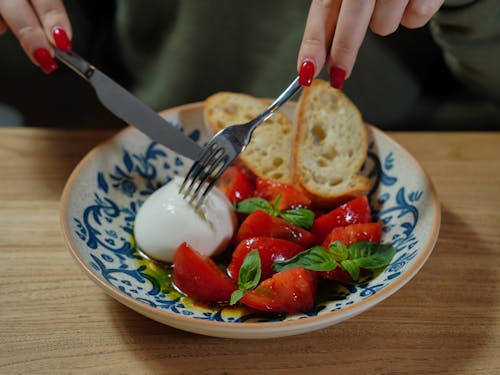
point(212, 182)
point(219, 161)
point(198, 166)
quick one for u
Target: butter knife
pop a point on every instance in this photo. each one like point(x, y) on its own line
point(130, 109)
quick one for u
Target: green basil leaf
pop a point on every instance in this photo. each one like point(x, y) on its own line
point(249, 275)
point(276, 204)
point(371, 255)
point(339, 251)
point(236, 296)
point(315, 259)
point(301, 217)
point(250, 205)
point(367, 255)
point(351, 267)
point(250, 271)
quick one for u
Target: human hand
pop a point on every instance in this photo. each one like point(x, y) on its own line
point(335, 30)
point(38, 25)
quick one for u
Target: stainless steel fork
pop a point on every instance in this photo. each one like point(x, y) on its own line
point(223, 148)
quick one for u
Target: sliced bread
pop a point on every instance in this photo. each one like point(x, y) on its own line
point(330, 146)
point(269, 153)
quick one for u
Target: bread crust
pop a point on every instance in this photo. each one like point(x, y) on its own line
point(330, 146)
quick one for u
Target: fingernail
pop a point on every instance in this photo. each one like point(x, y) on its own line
point(306, 73)
point(337, 77)
point(47, 63)
point(61, 39)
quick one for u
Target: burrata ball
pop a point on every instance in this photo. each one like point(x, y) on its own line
point(166, 219)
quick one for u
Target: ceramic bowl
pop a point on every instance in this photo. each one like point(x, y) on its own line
point(104, 192)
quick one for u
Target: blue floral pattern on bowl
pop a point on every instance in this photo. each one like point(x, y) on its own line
point(106, 195)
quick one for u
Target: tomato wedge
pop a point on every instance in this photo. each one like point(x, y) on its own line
point(338, 274)
point(348, 235)
point(199, 277)
point(291, 197)
point(270, 250)
point(353, 212)
point(235, 184)
point(262, 224)
point(354, 233)
point(288, 291)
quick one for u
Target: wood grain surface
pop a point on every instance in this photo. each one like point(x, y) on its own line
point(55, 320)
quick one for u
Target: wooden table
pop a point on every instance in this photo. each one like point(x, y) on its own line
point(55, 320)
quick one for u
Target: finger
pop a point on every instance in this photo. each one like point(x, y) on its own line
point(3, 26)
point(387, 16)
point(55, 22)
point(353, 20)
point(23, 22)
point(316, 40)
point(419, 12)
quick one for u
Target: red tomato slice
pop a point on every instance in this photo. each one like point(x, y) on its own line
point(288, 291)
point(262, 224)
point(354, 233)
point(270, 250)
point(348, 235)
point(199, 277)
point(338, 274)
point(291, 197)
point(353, 212)
point(236, 185)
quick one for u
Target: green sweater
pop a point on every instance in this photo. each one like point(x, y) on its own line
point(445, 76)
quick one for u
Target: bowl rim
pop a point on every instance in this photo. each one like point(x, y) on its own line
point(178, 320)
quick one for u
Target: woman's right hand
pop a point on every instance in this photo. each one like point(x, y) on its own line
point(38, 25)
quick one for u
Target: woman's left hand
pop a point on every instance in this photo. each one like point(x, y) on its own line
point(335, 30)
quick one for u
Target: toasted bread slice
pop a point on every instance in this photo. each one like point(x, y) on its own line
point(330, 146)
point(268, 155)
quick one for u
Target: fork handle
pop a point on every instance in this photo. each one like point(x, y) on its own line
point(280, 100)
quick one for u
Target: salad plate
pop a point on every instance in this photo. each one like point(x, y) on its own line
point(106, 189)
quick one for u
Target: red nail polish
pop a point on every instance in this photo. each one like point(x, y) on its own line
point(47, 63)
point(61, 39)
point(306, 73)
point(337, 77)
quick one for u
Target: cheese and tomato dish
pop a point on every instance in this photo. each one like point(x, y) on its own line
point(278, 248)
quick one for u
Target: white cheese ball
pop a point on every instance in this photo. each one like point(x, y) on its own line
point(165, 220)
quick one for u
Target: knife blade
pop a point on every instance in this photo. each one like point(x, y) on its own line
point(130, 109)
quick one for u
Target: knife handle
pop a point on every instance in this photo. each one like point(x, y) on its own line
point(76, 63)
